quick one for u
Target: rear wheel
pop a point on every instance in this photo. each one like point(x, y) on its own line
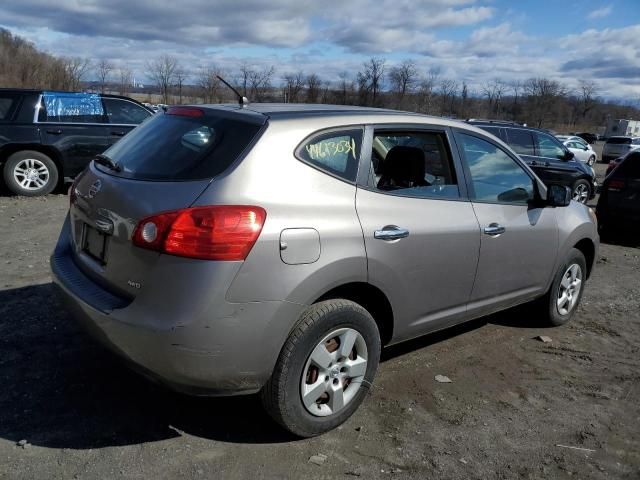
point(30, 173)
point(325, 368)
point(561, 301)
point(581, 191)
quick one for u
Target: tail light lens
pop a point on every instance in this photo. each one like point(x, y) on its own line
point(220, 232)
point(616, 185)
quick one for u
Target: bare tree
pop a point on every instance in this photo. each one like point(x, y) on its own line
point(104, 69)
point(426, 91)
point(403, 78)
point(587, 92)
point(494, 91)
point(75, 68)
point(448, 88)
point(293, 85)
point(162, 72)
point(209, 84)
point(542, 98)
point(313, 84)
point(126, 79)
point(345, 88)
point(180, 76)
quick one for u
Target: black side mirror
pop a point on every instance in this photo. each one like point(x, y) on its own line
point(568, 155)
point(558, 196)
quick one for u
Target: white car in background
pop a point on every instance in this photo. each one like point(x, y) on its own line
point(580, 148)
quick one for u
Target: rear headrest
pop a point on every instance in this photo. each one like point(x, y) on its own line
point(403, 165)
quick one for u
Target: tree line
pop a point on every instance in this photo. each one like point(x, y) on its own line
point(538, 101)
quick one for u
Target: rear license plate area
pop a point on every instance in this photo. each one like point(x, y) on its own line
point(94, 243)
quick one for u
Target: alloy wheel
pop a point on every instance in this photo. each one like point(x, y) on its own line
point(334, 372)
point(31, 174)
point(581, 193)
point(569, 289)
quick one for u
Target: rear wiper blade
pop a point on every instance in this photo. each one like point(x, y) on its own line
point(107, 162)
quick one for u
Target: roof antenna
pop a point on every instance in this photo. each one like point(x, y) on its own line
point(242, 101)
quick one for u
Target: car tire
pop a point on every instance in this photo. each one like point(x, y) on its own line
point(30, 173)
point(581, 191)
point(556, 309)
point(289, 397)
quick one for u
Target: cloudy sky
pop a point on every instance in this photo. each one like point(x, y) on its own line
point(471, 40)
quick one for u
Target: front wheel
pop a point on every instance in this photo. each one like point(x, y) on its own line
point(581, 191)
point(561, 301)
point(30, 173)
point(325, 368)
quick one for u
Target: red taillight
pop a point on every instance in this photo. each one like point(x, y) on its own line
point(185, 111)
point(616, 185)
point(220, 232)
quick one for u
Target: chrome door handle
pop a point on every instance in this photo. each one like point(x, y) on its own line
point(494, 229)
point(391, 232)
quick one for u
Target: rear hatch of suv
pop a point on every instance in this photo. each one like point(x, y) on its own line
point(162, 165)
point(616, 146)
point(623, 187)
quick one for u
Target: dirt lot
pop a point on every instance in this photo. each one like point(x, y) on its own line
point(512, 402)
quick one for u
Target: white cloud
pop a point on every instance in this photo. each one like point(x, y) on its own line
point(600, 12)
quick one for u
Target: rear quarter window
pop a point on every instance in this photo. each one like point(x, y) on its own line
point(179, 147)
point(336, 152)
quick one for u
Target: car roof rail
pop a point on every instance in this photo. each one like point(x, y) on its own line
point(497, 122)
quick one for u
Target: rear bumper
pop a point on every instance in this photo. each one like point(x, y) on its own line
point(215, 348)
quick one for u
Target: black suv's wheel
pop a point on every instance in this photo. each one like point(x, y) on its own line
point(325, 368)
point(30, 173)
point(561, 301)
point(581, 191)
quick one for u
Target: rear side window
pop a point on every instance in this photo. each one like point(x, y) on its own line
point(8, 104)
point(335, 152)
point(521, 141)
point(71, 108)
point(124, 112)
point(180, 147)
point(630, 168)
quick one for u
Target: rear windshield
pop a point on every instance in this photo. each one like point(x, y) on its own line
point(176, 147)
point(619, 140)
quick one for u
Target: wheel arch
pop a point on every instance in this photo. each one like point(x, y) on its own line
point(588, 249)
point(370, 298)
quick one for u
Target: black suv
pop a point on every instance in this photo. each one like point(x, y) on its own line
point(546, 155)
point(49, 137)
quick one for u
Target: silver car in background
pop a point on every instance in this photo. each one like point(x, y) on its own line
point(276, 248)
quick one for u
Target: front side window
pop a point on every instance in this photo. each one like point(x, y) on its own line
point(495, 176)
point(335, 152)
point(416, 164)
point(521, 141)
point(124, 112)
point(71, 108)
point(549, 147)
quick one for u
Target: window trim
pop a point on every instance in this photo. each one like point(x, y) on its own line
point(326, 131)
point(364, 179)
point(525, 168)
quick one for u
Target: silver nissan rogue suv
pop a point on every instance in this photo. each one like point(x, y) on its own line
point(272, 248)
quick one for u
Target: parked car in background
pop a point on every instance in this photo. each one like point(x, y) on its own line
point(581, 149)
point(619, 202)
point(546, 155)
point(589, 137)
point(616, 147)
point(189, 252)
point(48, 137)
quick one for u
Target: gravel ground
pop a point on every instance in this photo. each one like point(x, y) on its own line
point(512, 403)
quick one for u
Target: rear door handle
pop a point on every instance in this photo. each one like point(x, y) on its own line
point(391, 232)
point(55, 132)
point(118, 134)
point(494, 229)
